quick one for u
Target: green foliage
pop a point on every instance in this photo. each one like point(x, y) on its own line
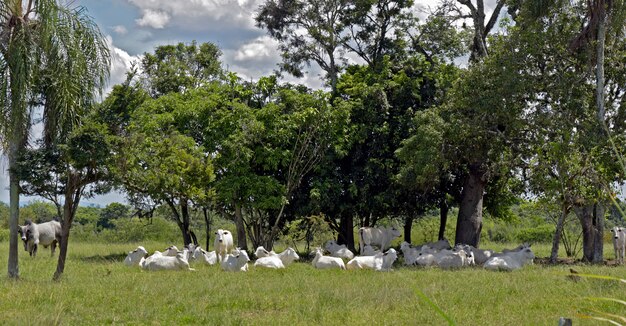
point(181, 67)
point(312, 230)
point(540, 234)
point(137, 230)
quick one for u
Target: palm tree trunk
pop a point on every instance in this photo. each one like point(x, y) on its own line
point(14, 206)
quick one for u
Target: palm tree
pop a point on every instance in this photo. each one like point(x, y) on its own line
point(51, 56)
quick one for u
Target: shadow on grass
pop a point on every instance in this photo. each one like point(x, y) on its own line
point(119, 257)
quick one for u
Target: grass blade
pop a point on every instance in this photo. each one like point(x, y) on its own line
point(422, 296)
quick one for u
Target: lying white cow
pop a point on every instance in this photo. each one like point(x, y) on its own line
point(288, 256)
point(136, 256)
point(158, 262)
point(269, 262)
point(337, 250)
point(326, 262)
point(201, 255)
point(511, 260)
point(380, 236)
point(481, 255)
point(262, 252)
point(619, 243)
point(45, 234)
point(410, 253)
point(223, 243)
point(236, 261)
point(378, 262)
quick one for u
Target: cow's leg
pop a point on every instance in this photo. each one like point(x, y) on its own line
point(34, 253)
point(53, 247)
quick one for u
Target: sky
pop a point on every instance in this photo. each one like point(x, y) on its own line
point(134, 27)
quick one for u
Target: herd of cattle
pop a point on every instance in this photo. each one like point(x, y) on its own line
point(374, 254)
point(373, 248)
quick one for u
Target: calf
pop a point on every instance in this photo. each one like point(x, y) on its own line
point(381, 236)
point(46, 234)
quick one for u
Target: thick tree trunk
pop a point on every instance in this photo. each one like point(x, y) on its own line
point(346, 233)
point(408, 225)
point(443, 217)
point(557, 234)
point(598, 223)
point(592, 221)
point(470, 220)
point(14, 207)
point(241, 228)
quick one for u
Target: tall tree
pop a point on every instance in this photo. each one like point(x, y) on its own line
point(46, 47)
point(65, 172)
point(477, 166)
point(307, 31)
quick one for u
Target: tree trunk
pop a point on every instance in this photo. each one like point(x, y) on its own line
point(346, 234)
point(443, 217)
point(601, 38)
point(408, 225)
point(598, 229)
point(14, 207)
point(184, 210)
point(585, 216)
point(207, 228)
point(470, 220)
point(557, 234)
point(72, 198)
point(241, 228)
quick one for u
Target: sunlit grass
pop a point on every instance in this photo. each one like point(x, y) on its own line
point(98, 289)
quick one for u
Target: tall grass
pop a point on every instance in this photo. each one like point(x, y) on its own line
point(97, 289)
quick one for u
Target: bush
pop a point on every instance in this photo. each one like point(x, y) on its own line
point(136, 230)
point(540, 234)
point(4, 235)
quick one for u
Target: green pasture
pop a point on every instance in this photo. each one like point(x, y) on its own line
point(98, 289)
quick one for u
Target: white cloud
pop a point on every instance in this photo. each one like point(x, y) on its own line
point(259, 49)
point(153, 18)
point(121, 62)
point(120, 30)
point(190, 13)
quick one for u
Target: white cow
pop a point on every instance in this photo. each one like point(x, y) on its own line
point(381, 236)
point(337, 250)
point(45, 234)
point(378, 262)
point(326, 262)
point(158, 262)
point(223, 243)
point(171, 251)
point(270, 262)
point(481, 255)
point(135, 257)
point(410, 253)
point(288, 256)
point(201, 255)
point(511, 260)
point(619, 243)
point(236, 261)
point(369, 251)
point(262, 252)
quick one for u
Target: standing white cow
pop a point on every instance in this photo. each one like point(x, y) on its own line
point(619, 243)
point(381, 236)
point(46, 234)
point(223, 244)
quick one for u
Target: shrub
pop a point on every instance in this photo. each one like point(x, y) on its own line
point(540, 234)
point(4, 235)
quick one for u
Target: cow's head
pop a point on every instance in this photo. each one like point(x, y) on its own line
point(220, 235)
point(616, 231)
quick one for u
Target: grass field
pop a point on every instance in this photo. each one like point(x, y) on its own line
point(98, 289)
